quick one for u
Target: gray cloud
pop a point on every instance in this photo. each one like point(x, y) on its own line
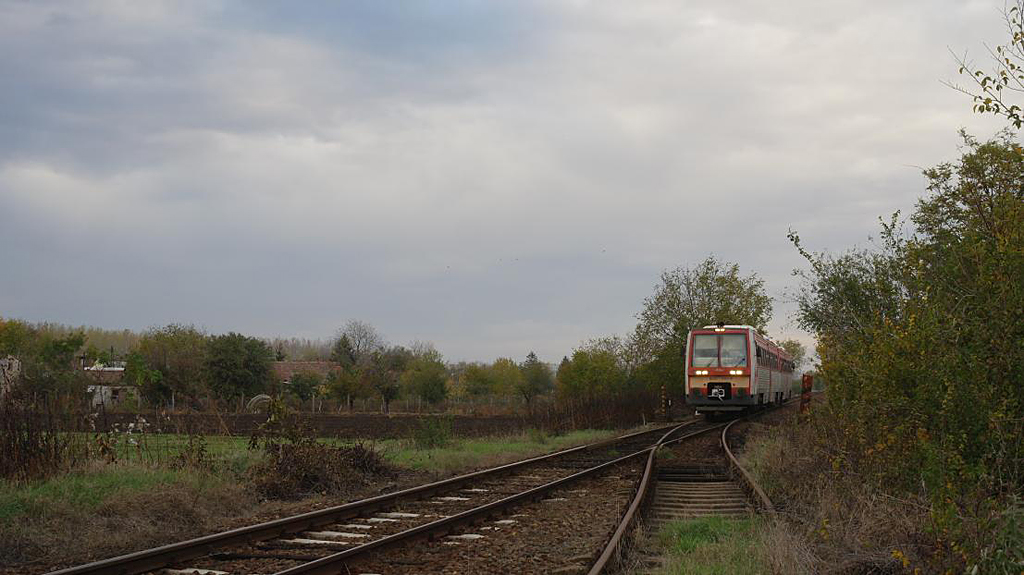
point(493, 177)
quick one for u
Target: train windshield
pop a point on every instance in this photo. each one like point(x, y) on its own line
point(726, 350)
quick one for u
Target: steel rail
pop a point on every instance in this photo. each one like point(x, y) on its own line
point(633, 511)
point(158, 557)
point(744, 476)
point(332, 563)
point(615, 542)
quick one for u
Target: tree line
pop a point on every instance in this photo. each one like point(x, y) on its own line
point(653, 355)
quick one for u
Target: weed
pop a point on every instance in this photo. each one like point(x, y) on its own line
point(537, 436)
point(433, 433)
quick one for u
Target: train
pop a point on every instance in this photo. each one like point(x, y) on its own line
point(733, 368)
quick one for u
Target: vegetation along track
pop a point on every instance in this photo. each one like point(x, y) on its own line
point(324, 541)
point(703, 481)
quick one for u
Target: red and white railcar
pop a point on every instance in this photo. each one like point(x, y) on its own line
point(733, 367)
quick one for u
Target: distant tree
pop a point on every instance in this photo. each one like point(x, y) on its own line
point(425, 376)
point(795, 349)
point(591, 373)
point(478, 379)
point(384, 371)
point(343, 353)
point(305, 385)
point(179, 353)
point(537, 378)
point(139, 374)
point(344, 384)
point(363, 339)
point(279, 353)
point(54, 368)
point(16, 338)
point(238, 365)
point(506, 375)
point(710, 292)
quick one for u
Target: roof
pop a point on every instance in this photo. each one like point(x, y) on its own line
point(286, 369)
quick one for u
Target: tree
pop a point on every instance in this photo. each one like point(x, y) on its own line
point(919, 340)
point(795, 349)
point(993, 89)
point(383, 372)
point(537, 378)
point(478, 379)
point(363, 340)
point(592, 372)
point(238, 365)
point(342, 352)
point(139, 374)
point(344, 384)
point(506, 376)
point(425, 377)
point(179, 353)
point(710, 292)
point(305, 384)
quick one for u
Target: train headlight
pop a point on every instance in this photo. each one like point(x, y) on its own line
point(735, 372)
point(701, 372)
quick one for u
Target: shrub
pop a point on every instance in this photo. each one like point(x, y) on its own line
point(292, 470)
point(433, 433)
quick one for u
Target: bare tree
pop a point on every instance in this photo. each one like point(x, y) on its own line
point(363, 338)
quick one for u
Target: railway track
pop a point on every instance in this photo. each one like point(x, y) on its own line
point(712, 484)
point(327, 540)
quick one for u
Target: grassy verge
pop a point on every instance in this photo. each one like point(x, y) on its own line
point(713, 546)
point(467, 454)
point(153, 488)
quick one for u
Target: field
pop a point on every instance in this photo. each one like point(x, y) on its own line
point(148, 488)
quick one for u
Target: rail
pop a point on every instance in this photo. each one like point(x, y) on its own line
point(158, 557)
point(632, 512)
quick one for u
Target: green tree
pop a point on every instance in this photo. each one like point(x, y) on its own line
point(305, 384)
point(478, 379)
point(506, 376)
point(344, 384)
point(795, 349)
point(592, 372)
point(709, 293)
point(238, 365)
point(179, 353)
point(342, 352)
point(384, 371)
point(425, 376)
point(138, 373)
point(919, 340)
point(537, 378)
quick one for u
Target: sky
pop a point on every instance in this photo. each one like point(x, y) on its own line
point(493, 177)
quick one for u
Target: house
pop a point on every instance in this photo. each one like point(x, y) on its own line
point(104, 396)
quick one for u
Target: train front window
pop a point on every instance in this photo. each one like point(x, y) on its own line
point(705, 351)
point(726, 350)
point(734, 350)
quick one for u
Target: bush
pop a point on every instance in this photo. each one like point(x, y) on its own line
point(920, 342)
point(292, 470)
point(33, 440)
point(433, 433)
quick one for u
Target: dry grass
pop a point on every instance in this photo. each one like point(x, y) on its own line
point(130, 521)
point(830, 522)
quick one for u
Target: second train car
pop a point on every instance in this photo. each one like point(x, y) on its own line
point(733, 368)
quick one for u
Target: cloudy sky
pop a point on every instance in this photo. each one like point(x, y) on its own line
point(493, 177)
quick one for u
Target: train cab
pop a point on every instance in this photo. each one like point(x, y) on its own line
point(734, 368)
